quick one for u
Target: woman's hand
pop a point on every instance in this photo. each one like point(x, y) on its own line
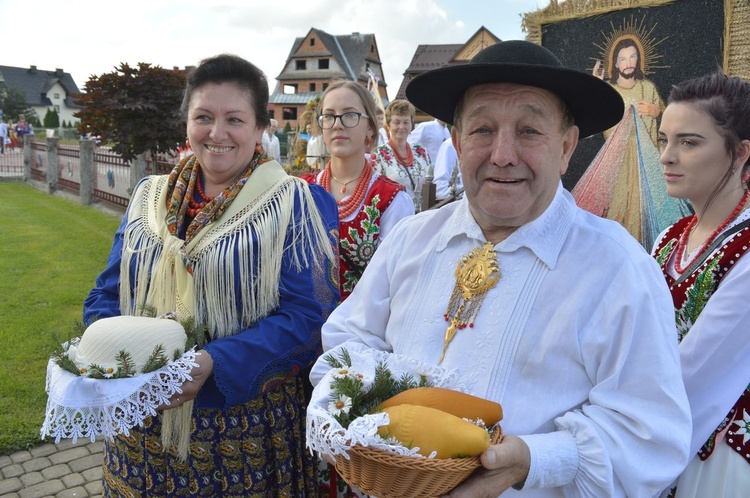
point(191, 388)
point(505, 464)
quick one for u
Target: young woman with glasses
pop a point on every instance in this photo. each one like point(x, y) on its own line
point(369, 204)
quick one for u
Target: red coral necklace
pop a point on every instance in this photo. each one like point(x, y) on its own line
point(403, 161)
point(686, 233)
point(195, 207)
point(350, 204)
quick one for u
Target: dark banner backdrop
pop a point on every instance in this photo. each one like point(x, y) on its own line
point(686, 38)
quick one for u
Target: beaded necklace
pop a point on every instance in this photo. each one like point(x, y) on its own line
point(195, 207)
point(403, 161)
point(350, 204)
point(684, 236)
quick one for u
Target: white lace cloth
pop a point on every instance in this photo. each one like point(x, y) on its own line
point(327, 437)
point(79, 406)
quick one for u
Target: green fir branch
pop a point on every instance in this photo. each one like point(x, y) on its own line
point(125, 364)
point(156, 360)
point(383, 387)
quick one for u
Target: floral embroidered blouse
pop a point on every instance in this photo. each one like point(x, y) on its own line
point(411, 177)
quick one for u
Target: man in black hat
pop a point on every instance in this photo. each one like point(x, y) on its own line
point(555, 313)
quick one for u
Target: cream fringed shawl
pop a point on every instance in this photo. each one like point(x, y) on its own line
point(240, 254)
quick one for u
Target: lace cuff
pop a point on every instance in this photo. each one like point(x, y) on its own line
point(327, 437)
point(86, 407)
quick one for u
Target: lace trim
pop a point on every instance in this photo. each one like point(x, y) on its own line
point(84, 407)
point(327, 437)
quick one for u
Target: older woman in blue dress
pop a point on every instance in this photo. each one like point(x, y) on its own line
point(229, 239)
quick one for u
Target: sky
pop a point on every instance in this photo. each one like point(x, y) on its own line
point(86, 38)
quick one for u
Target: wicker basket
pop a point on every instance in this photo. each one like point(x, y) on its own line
point(387, 475)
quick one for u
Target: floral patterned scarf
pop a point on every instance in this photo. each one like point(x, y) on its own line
point(181, 188)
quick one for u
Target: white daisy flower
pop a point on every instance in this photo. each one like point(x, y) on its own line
point(341, 372)
point(341, 404)
point(361, 376)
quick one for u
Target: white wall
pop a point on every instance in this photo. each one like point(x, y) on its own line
point(57, 95)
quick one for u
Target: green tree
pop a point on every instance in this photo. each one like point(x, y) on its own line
point(51, 119)
point(287, 128)
point(13, 103)
point(136, 109)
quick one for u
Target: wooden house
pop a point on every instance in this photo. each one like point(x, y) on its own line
point(429, 57)
point(316, 60)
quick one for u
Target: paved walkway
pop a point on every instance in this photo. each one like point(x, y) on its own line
point(61, 470)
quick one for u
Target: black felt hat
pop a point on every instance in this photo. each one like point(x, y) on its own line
point(596, 105)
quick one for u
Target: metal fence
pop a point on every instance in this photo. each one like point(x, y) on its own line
point(112, 176)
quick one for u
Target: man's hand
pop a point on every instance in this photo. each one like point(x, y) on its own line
point(191, 388)
point(598, 70)
point(505, 464)
point(647, 109)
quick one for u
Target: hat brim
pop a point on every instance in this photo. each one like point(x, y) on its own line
point(595, 104)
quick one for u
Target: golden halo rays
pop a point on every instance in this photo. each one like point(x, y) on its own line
point(642, 35)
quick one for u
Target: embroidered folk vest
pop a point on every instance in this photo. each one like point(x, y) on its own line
point(360, 236)
point(690, 297)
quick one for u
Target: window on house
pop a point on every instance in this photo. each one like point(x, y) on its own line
point(290, 89)
point(312, 42)
point(270, 113)
point(289, 113)
point(312, 87)
point(56, 96)
point(57, 109)
point(301, 65)
point(325, 86)
point(322, 63)
point(367, 66)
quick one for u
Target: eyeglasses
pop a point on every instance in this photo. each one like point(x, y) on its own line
point(348, 119)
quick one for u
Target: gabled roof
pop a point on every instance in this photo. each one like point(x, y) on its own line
point(428, 57)
point(349, 51)
point(37, 82)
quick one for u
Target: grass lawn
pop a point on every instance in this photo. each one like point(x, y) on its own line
point(51, 250)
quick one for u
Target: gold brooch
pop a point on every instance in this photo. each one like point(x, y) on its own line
point(476, 274)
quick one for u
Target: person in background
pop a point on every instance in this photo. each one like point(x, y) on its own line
point(316, 148)
point(447, 173)
point(233, 242)
point(431, 135)
point(272, 141)
point(704, 139)
point(3, 135)
point(22, 129)
point(400, 161)
point(553, 312)
point(382, 131)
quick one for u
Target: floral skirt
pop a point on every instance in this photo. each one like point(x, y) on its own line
point(252, 450)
